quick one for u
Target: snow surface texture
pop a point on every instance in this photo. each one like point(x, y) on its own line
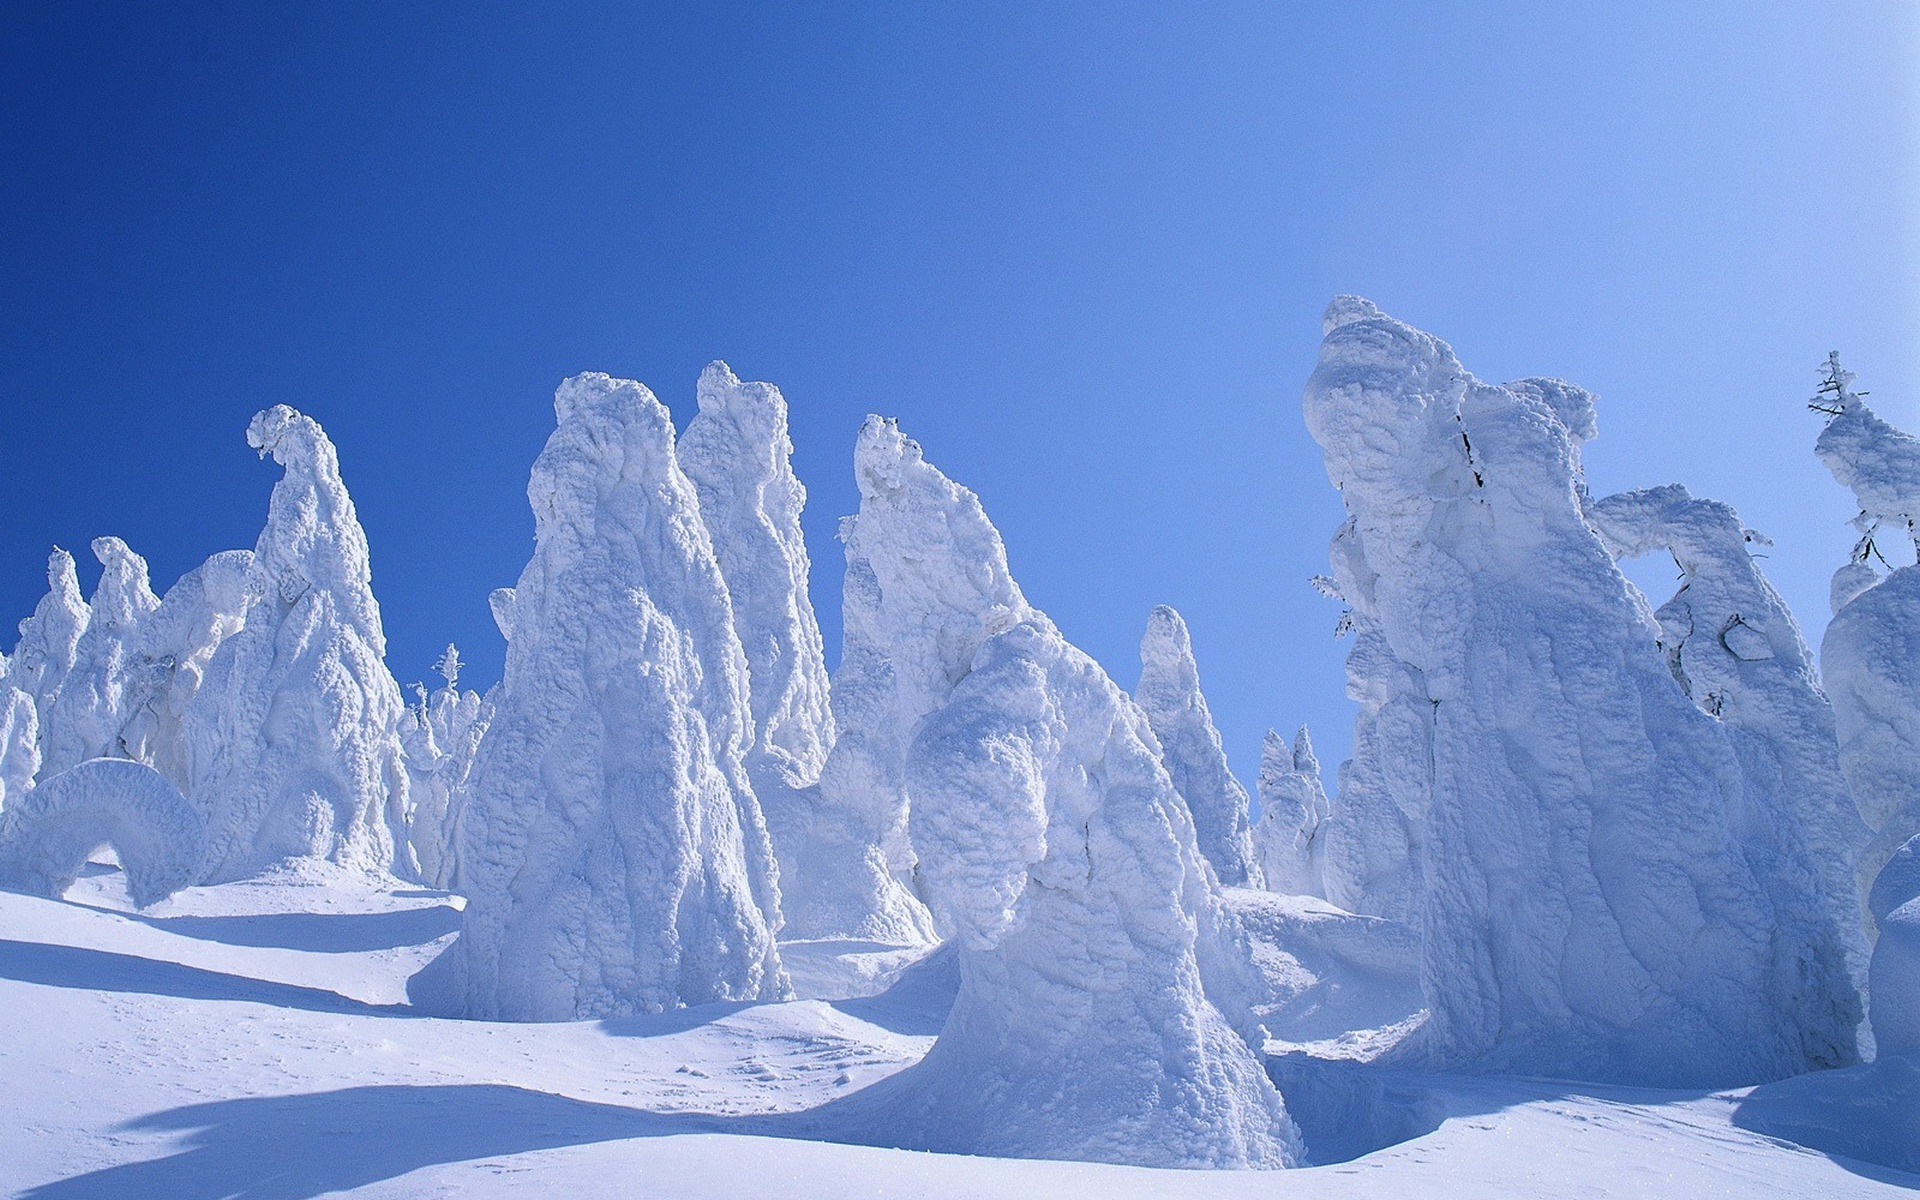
point(1293, 807)
point(738, 454)
point(1169, 694)
point(1734, 647)
point(93, 702)
point(1052, 840)
point(158, 835)
point(1870, 656)
point(171, 652)
point(293, 737)
point(49, 638)
point(612, 851)
point(1608, 894)
point(441, 737)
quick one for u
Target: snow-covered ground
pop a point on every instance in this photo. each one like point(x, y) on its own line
point(253, 1040)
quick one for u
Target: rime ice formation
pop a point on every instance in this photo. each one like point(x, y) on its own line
point(158, 835)
point(1293, 806)
point(1608, 894)
point(1895, 988)
point(738, 454)
point(48, 639)
point(19, 744)
point(441, 736)
point(95, 701)
point(293, 740)
point(1870, 656)
point(1734, 647)
point(1052, 840)
point(170, 656)
point(1369, 845)
point(1169, 693)
point(612, 850)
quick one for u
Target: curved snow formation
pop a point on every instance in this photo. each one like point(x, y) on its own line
point(170, 655)
point(1293, 807)
point(1371, 841)
point(19, 745)
point(158, 835)
point(1870, 656)
point(1104, 1010)
point(1608, 894)
point(99, 692)
point(293, 737)
point(1895, 989)
point(441, 737)
point(612, 851)
point(1733, 646)
point(738, 454)
point(49, 638)
point(1169, 693)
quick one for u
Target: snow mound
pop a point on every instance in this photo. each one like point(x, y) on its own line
point(158, 835)
point(1609, 894)
point(1169, 693)
point(1293, 806)
point(1092, 950)
point(612, 850)
point(738, 454)
point(293, 742)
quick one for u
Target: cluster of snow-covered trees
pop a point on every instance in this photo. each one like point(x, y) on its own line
point(1634, 844)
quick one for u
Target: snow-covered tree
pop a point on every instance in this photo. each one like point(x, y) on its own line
point(1370, 844)
point(101, 688)
point(1608, 891)
point(1293, 806)
point(48, 639)
point(1169, 693)
point(441, 739)
point(46, 838)
point(738, 454)
point(170, 655)
point(19, 744)
point(612, 851)
point(1102, 1012)
point(293, 736)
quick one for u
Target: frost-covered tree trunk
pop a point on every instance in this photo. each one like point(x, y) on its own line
point(1607, 892)
point(1734, 647)
point(44, 654)
point(1293, 807)
point(170, 656)
point(100, 689)
point(1169, 693)
point(612, 850)
point(293, 738)
point(1095, 960)
point(738, 454)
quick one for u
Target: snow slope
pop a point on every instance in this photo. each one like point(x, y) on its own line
point(249, 1040)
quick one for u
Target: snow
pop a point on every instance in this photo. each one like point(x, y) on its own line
point(48, 640)
point(171, 653)
point(293, 737)
point(441, 737)
point(19, 745)
point(93, 704)
point(157, 835)
point(612, 850)
point(738, 454)
point(256, 1046)
point(1293, 807)
point(1169, 694)
point(1371, 840)
point(1608, 893)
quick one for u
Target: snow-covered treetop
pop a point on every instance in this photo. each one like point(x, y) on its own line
point(448, 665)
point(1877, 462)
point(48, 637)
point(123, 594)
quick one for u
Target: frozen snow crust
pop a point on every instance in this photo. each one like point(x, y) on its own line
point(1607, 892)
point(612, 849)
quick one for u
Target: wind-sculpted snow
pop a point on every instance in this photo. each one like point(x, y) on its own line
point(612, 850)
point(1293, 807)
point(100, 689)
point(157, 834)
point(1608, 894)
point(441, 737)
point(1169, 693)
point(293, 738)
point(738, 454)
point(1370, 843)
point(1734, 647)
point(170, 656)
point(19, 745)
point(49, 638)
point(1052, 841)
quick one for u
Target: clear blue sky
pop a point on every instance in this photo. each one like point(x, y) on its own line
point(1080, 252)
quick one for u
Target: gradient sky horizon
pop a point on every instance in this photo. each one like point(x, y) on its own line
point(1079, 250)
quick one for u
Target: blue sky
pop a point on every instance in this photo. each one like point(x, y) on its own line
point(1079, 250)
